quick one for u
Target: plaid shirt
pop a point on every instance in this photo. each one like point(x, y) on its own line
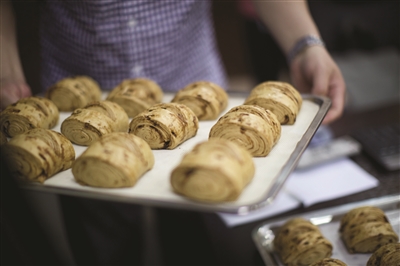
point(169, 41)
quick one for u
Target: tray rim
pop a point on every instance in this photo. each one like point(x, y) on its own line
point(324, 104)
point(331, 211)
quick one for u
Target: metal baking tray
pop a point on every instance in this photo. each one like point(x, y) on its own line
point(328, 221)
point(154, 189)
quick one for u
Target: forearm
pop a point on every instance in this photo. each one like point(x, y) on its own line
point(287, 21)
point(10, 64)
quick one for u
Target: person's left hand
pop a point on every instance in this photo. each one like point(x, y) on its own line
point(314, 71)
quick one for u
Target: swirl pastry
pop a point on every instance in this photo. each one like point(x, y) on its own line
point(365, 229)
point(299, 242)
point(278, 97)
point(38, 154)
point(71, 93)
point(253, 127)
point(115, 160)
point(28, 113)
point(87, 124)
point(206, 99)
point(165, 125)
point(216, 170)
point(329, 262)
point(387, 255)
point(136, 95)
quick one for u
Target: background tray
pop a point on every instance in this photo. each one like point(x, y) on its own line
point(328, 221)
point(154, 188)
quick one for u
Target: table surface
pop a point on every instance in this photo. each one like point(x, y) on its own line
point(234, 246)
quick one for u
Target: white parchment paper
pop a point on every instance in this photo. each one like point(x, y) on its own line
point(154, 187)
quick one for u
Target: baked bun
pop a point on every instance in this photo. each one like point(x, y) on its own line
point(250, 126)
point(96, 119)
point(115, 160)
point(71, 93)
point(206, 99)
point(28, 113)
point(165, 125)
point(136, 95)
point(387, 255)
point(216, 170)
point(299, 242)
point(281, 98)
point(38, 154)
point(365, 229)
point(329, 262)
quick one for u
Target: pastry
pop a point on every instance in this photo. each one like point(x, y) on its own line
point(87, 124)
point(387, 255)
point(329, 262)
point(206, 99)
point(165, 125)
point(38, 154)
point(28, 113)
point(71, 93)
point(216, 170)
point(278, 97)
point(136, 95)
point(115, 160)
point(365, 229)
point(299, 242)
point(253, 127)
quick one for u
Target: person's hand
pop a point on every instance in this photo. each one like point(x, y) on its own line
point(12, 91)
point(314, 71)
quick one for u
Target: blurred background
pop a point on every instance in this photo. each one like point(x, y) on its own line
point(362, 36)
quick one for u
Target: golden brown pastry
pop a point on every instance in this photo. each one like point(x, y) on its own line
point(299, 242)
point(387, 255)
point(87, 124)
point(38, 154)
point(329, 262)
point(365, 229)
point(136, 95)
point(250, 126)
point(278, 97)
point(115, 160)
point(206, 99)
point(216, 170)
point(28, 113)
point(165, 125)
point(71, 93)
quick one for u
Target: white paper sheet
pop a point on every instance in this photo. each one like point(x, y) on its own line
point(329, 181)
point(318, 184)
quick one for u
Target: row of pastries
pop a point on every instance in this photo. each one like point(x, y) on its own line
point(122, 130)
point(362, 230)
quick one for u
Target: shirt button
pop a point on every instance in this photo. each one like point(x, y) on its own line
point(137, 70)
point(132, 23)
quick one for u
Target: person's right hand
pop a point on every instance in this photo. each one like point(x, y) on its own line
point(12, 91)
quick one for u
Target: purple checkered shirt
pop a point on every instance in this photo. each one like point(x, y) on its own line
point(169, 41)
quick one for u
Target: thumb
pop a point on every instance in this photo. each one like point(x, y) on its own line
point(24, 90)
point(320, 83)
